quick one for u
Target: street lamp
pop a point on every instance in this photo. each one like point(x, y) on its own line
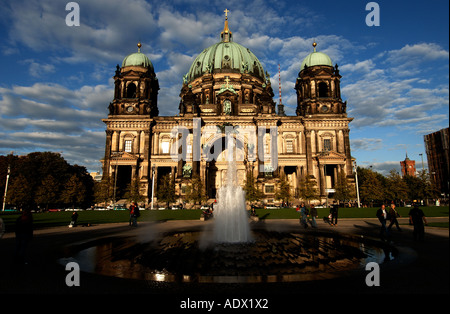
point(421, 155)
point(153, 184)
point(324, 154)
point(357, 187)
point(6, 187)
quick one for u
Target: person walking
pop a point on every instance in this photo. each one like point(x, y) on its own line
point(304, 216)
point(73, 220)
point(24, 235)
point(382, 216)
point(334, 213)
point(134, 214)
point(417, 218)
point(2, 227)
point(313, 213)
point(393, 214)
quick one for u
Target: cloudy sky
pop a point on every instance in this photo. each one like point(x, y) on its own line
point(56, 80)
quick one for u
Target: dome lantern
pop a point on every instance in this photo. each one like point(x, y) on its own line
point(137, 59)
point(316, 58)
point(225, 56)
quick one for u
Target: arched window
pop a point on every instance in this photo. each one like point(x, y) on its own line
point(128, 146)
point(323, 89)
point(131, 90)
point(327, 141)
point(128, 143)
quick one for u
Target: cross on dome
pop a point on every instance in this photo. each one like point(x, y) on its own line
point(226, 33)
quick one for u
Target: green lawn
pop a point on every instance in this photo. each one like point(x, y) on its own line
point(43, 220)
point(290, 213)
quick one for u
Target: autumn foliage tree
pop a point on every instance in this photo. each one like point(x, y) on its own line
point(43, 179)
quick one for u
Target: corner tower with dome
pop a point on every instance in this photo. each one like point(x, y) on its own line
point(226, 87)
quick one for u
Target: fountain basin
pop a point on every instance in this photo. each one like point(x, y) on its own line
point(271, 257)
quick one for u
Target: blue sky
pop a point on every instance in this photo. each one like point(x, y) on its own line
point(56, 81)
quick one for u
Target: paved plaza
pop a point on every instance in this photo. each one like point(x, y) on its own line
point(421, 267)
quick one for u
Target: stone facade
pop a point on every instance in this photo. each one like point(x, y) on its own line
point(222, 100)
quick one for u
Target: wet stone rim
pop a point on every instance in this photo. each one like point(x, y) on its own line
point(272, 257)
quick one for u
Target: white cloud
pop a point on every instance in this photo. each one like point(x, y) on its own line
point(367, 144)
point(385, 90)
point(378, 98)
point(50, 117)
point(105, 33)
point(410, 59)
point(37, 69)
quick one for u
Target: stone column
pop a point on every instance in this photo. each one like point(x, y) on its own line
point(338, 148)
point(322, 178)
point(155, 143)
point(309, 164)
point(138, 142)
point(348, 157)
point(133, 172)
point(117, 144)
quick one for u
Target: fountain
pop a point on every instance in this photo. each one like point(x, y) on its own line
point(234, 253)
point(231, 220)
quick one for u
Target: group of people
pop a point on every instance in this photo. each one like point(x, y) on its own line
point(134, 214)
point(416, 218)
point(306, 212)
point(387, 218)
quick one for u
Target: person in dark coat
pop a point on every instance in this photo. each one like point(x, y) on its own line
point(24, 235)
point(417, 218)
point(73, 219)
point(134, 214)
point(313, 213)
point(334, 213)
point(393, 214)
point(383, 216)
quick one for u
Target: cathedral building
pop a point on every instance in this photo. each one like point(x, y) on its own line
point(227, 95)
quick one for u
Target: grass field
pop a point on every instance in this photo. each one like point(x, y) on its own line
point(53, 219)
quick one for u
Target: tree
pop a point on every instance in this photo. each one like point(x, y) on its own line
point(194, 191)
point(344, 190)
point(133, 193)
point(73, 192)
point(35, 167)
point(371, 188)
point(420, 187)
point(396, 188)
point(103, 190)
point(308, 189)
point(252, 193)
point(47, 193)
point(283, 191)
point(166, 190)
point(20, 193)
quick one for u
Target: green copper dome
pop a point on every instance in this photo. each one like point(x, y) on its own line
point(225, 57)
point(137, 59)
point(316, 58)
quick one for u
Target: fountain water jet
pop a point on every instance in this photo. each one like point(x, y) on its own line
point(230, 216)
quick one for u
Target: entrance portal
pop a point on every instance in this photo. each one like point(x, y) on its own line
point(123, 181)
